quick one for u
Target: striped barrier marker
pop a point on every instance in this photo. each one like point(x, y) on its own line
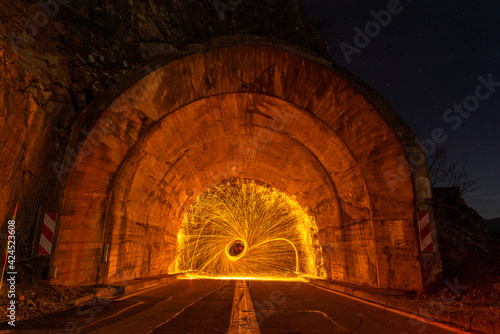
point(47, 237)
point(424, 227)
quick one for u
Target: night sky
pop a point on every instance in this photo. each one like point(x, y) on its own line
point(427, 59)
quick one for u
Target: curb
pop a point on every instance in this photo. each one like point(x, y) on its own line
point(130, 288)
point(463, 320)
point(126, 287)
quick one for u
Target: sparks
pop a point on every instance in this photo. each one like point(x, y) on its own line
point(247, 230)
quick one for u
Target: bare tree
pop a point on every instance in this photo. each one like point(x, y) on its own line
point(450, 174)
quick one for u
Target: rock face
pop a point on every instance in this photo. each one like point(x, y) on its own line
point(462, 234)
point(450, 206)
point(470, 255)
point(494, 226)
point(57, 56)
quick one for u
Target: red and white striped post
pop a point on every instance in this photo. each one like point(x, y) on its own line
point(424, 228)
point(47, 236)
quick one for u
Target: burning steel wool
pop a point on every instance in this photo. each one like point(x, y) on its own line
point(244, 229)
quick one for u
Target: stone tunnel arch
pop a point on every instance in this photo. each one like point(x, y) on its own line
point(247, 111)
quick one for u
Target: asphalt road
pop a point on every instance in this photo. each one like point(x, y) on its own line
point(206, 306)
point(308, 309)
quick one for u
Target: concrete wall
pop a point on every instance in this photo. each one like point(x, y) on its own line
point(244, 111)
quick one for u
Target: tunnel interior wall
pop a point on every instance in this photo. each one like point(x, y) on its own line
point(244, 111)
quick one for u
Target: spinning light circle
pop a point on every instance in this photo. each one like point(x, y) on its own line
point(245, 229)
point(236, 249)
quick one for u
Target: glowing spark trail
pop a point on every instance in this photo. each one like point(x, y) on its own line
point(244, 229)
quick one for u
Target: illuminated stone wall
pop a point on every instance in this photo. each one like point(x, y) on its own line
point(157, 139)
point(254, 112)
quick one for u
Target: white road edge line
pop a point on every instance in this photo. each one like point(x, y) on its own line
point(328, 318)
point(406, 314)
point(113, 315)
point(197, 300)
point(144, 290)
point(243, 319)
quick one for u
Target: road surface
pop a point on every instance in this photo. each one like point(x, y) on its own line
point(228, 306)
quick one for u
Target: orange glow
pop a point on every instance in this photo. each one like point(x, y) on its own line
point(249, 278)
point(244, 230)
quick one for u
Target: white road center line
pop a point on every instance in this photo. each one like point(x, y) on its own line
point(243, 319)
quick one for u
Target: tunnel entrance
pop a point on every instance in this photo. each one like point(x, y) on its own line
point(252, 112)
point(245, 228)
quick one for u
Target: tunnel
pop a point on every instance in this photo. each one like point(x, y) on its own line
point(262, 113)
point(248, 229)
